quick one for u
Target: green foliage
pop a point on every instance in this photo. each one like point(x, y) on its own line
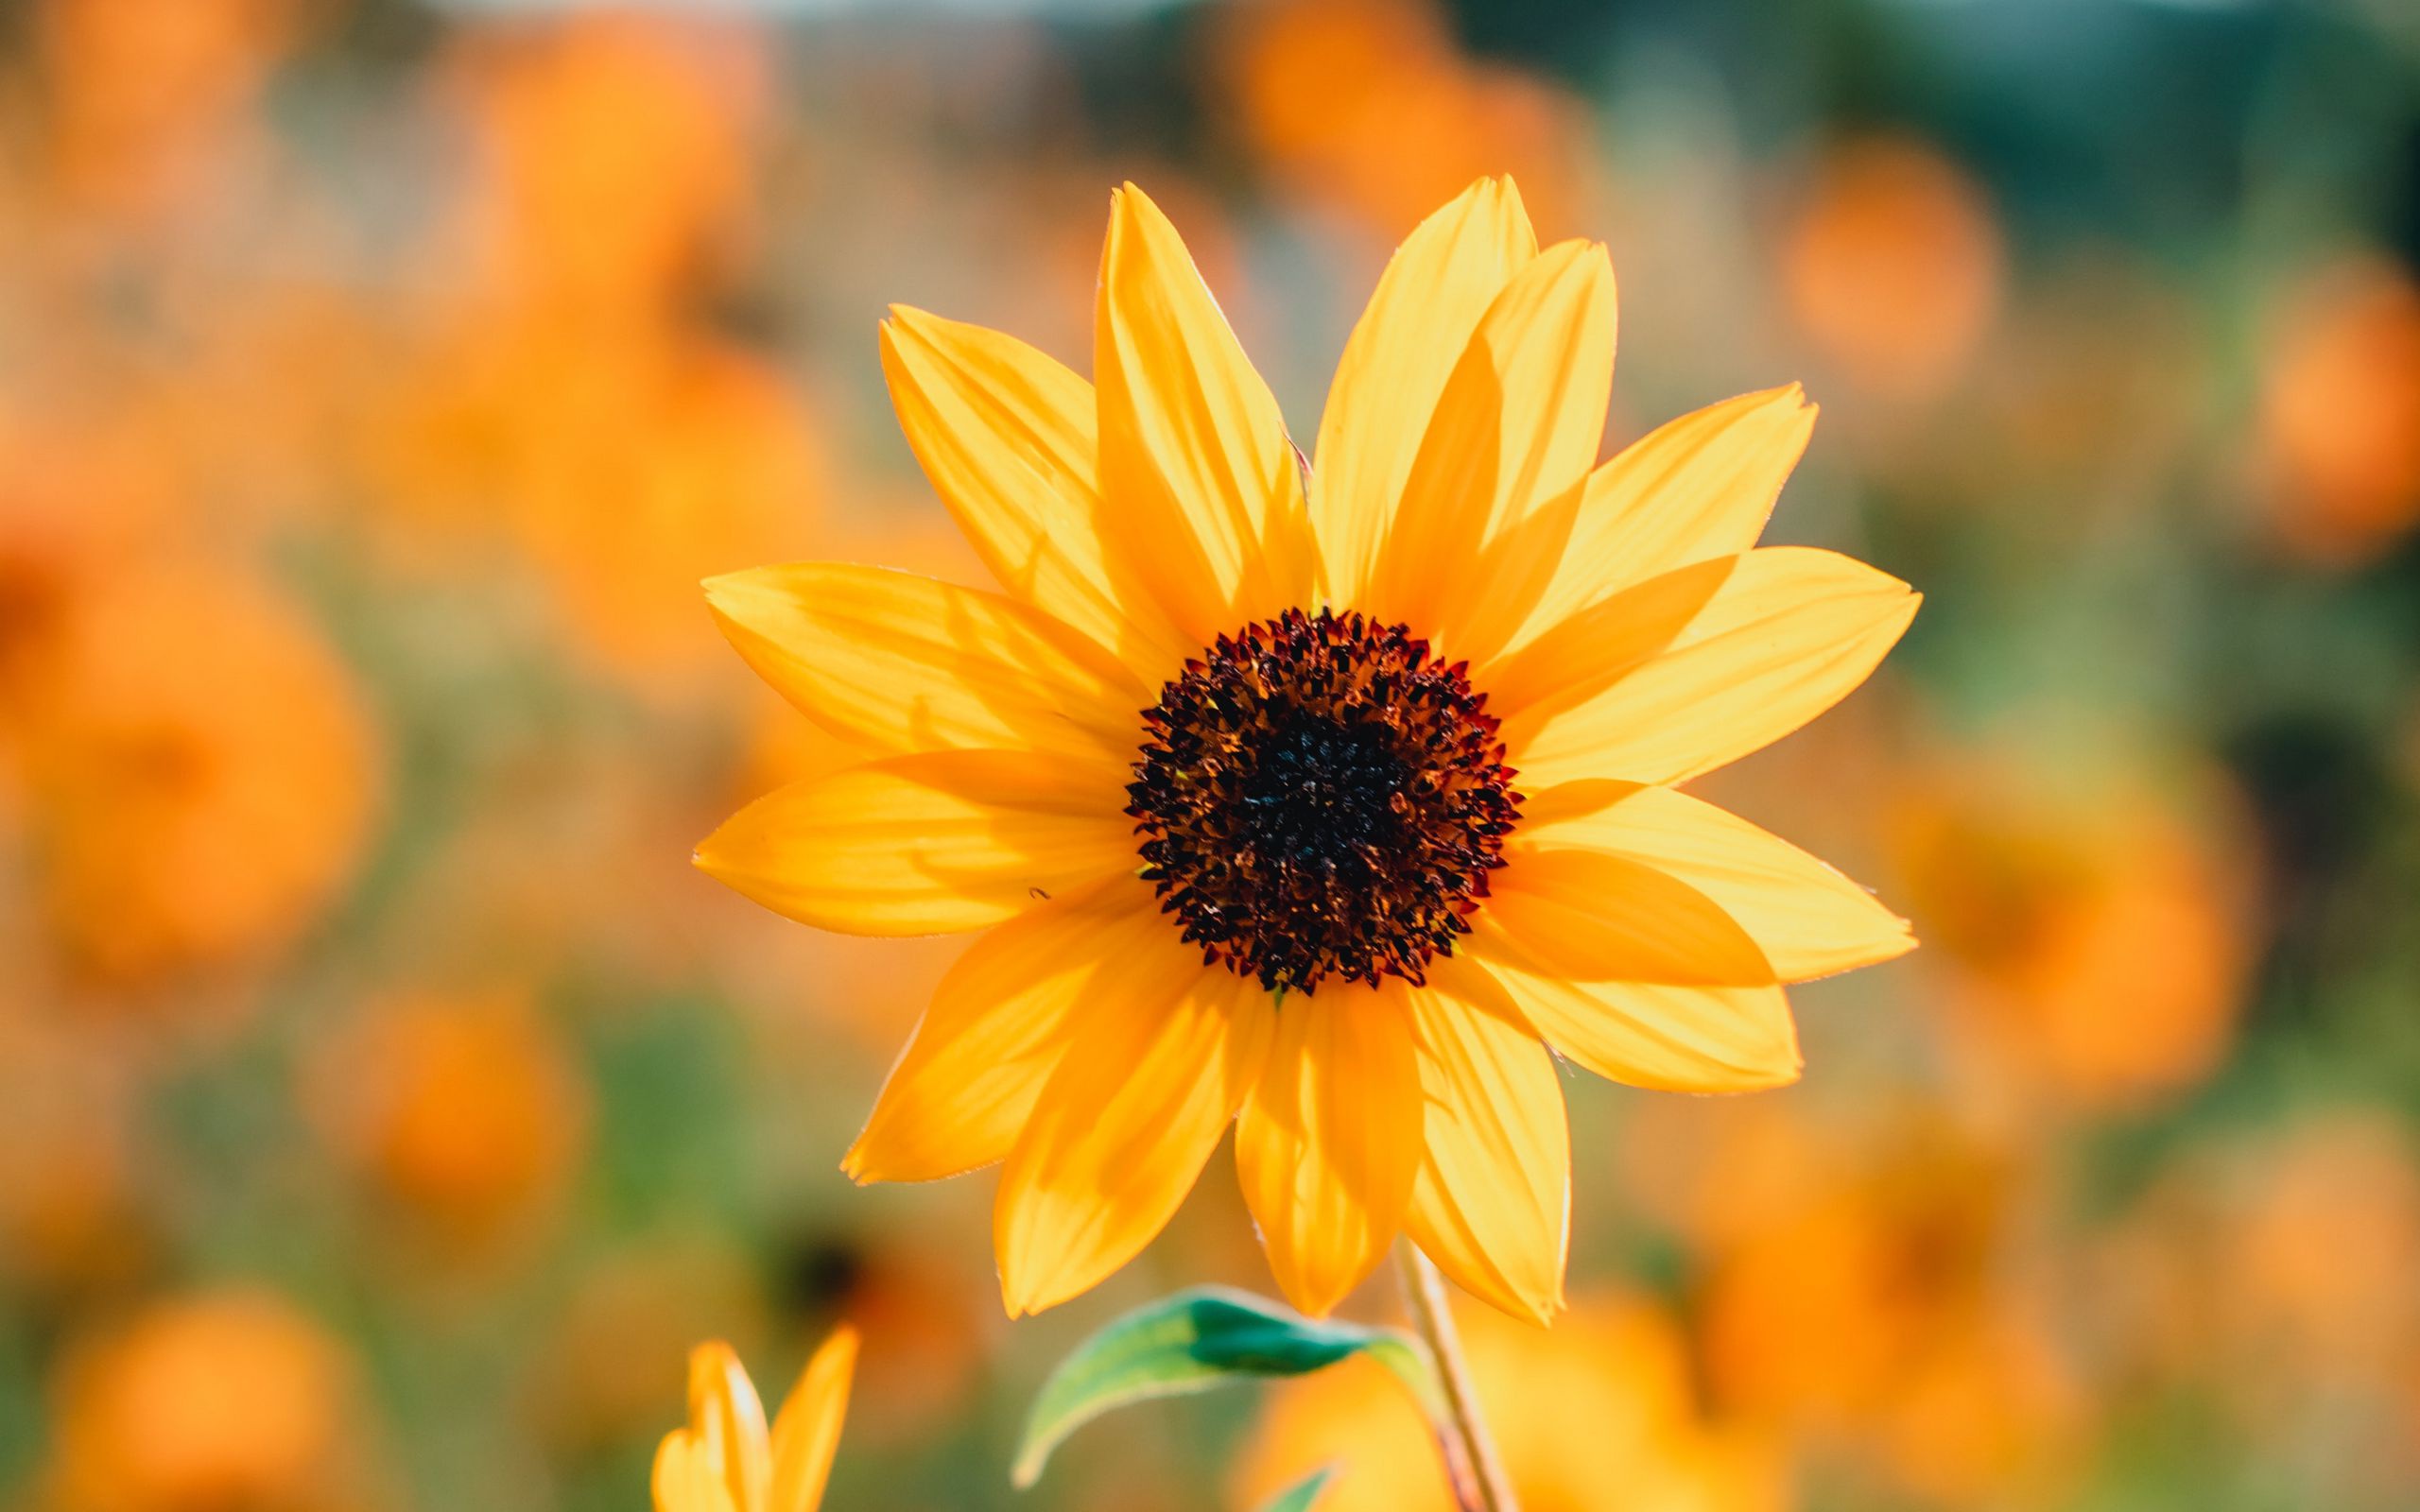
point(1191, 1341)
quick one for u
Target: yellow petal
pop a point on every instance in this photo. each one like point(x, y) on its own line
point(1654, 1034)
point(687, 1479)
point(727, 1424)
point(897, 663)
point(1154, 1071)
point(808, 1429)
point(1591, 651)
point(1696, 488)
point(1201, 487)
point(928, 844)
point(1790, 632)
point(1807, 919)
point(1419, 320)
point(1492, 1203)
point(1605, 918)
point(1006, 435)
point(997, 1026)
point(1516, 428)
point(1330, 1140)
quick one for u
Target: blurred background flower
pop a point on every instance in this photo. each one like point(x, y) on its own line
point(378, 377)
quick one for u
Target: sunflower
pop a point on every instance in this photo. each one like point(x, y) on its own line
point(1320, 798)
point(726, 1460)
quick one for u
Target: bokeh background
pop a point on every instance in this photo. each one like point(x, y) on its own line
point(386, 1105)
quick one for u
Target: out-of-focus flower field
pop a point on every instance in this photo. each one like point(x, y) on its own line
point(386, 1105)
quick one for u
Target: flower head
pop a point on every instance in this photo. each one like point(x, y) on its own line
point(727, 1461)
point(1319, 799)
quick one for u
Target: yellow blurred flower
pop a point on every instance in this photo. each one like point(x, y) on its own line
point(1599, 1412)
point(727, 1461)
point(1893, 265)
point(1341, 670)
point(2339, 412)
point(202, 774)
point(223, 1400)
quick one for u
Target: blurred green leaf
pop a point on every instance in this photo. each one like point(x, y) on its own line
point(1194, 1340)
point(1299, 1496)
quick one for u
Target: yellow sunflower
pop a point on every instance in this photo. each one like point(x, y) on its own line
point(1319, 797)
point(727, 1461)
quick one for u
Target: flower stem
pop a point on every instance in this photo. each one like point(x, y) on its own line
point(1482, 1485)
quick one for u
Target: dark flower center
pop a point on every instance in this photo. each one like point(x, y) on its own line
point(1318, 797)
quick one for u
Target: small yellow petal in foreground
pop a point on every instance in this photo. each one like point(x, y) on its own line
point(928, 844)
point(727, 1461)
point(809, 1430)
point(1323, 808)
point(1329, 1142)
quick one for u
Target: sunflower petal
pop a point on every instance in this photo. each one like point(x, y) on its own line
point(1516, 428)
point(930, 844)
point(998, 1026)
point(1790, 632)
point(1807, 919)
point(687, 1479)
point(1492, 1203)
point(1006, 435)
point(727, 1424)
point(1407, 343)
point(1202, 490)
point(1160, 1058)
point(1655, 1034)
point(809, 1430)
point(1695, 488)
point(1329, 1142)
point(1603, 918)
point(897, 663)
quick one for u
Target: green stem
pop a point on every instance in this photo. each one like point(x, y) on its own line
point(1481, 1483)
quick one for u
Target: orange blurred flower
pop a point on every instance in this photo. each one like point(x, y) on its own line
point(613, 156)
point(139, 95)
point(1596, 1413)
point(211, 1403)
point(200, 774)
point(2339, 412)
point(2100, 931)
point(464, 1109)
point(1371, 105)
point(1893, 265)
point(1864, 1287)
point(2273, 1270)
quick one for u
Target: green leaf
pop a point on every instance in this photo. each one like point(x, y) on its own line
point(1192, 1341)
point(1299, 1496)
